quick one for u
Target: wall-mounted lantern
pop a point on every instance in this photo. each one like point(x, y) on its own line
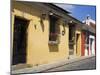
point(50, 13)
point(63, 32)
point(71, 21)
point(64, 24)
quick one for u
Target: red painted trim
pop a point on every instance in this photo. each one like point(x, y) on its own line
point(83, 44)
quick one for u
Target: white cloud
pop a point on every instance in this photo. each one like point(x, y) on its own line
point(67, 7)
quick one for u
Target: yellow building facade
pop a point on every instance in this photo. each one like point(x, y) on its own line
point(39, 46)
point(74, 38)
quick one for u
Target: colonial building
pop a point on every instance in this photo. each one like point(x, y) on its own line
point(40, 33)
point(75, 37)
point(43, 33)
point(88, 37)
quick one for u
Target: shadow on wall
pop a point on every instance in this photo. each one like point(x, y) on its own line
point(30, 12)
point(42, 25)
point(53, 48)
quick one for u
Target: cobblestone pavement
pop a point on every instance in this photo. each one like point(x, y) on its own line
point(86, 64)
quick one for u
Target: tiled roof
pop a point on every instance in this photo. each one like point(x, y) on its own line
point(88, 28)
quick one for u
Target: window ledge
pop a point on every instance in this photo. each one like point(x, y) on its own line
point(53, 42)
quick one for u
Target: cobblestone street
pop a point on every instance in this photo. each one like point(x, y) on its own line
point(86, 64)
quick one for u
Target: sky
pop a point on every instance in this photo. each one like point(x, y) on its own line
point(80, 11)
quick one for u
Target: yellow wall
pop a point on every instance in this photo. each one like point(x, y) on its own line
point(38, 49)
point(12, 17)
point(78, 31)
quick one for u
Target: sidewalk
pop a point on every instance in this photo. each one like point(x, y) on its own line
point(45, 67)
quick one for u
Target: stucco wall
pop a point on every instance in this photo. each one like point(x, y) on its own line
point(77, 51)
point(38, 49)
point(78, 31)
